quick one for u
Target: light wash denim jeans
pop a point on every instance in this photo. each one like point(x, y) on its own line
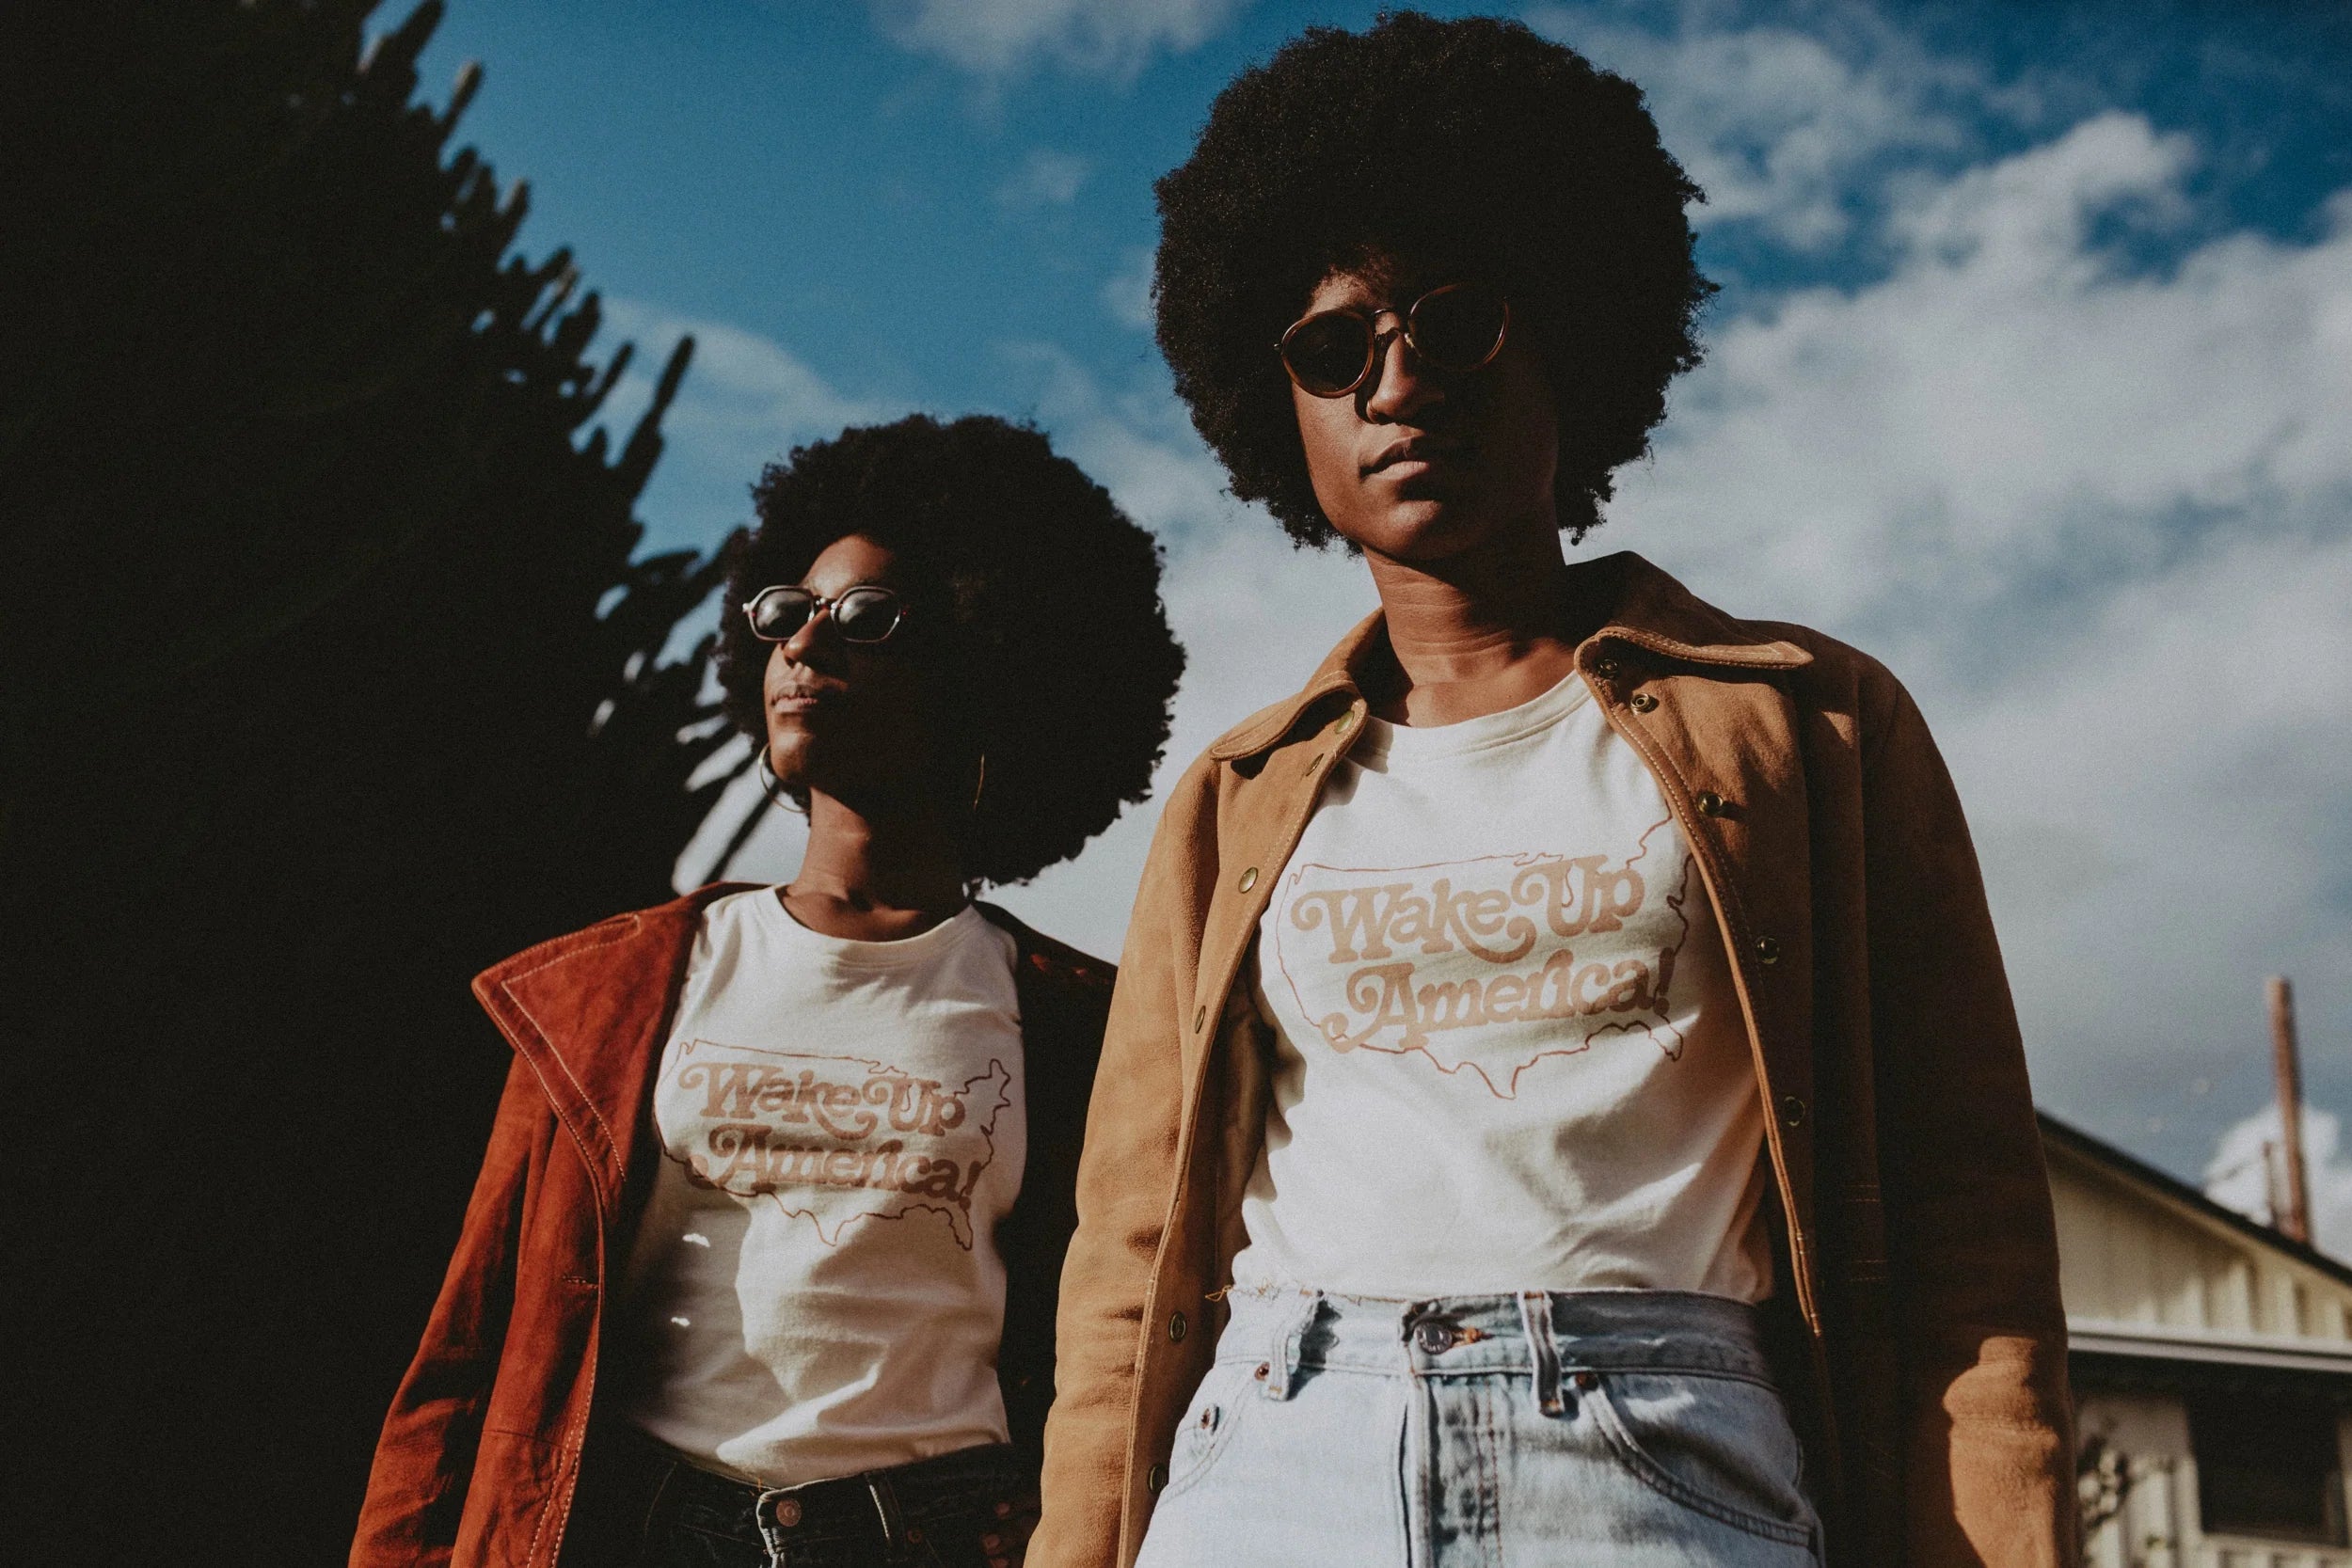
point(1630, 1429)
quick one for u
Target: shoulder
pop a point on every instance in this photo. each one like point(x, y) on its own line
point(1837, 668)
point(1040, 959)
point(659, 925)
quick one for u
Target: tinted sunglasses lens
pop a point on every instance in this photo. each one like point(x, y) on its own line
point(1459, 328)
point(778, 612)
point(1326, 353)
point(866, 614)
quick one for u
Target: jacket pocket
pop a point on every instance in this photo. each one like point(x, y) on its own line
point(1721, 1447)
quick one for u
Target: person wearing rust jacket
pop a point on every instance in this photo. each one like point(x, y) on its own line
point(1562, 1100)
point(762, 1261)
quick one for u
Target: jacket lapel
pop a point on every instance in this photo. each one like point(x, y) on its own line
point(587, 1011)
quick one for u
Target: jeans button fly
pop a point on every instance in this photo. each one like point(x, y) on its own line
point(1434, 1335)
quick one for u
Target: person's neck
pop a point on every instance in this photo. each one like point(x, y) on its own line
point(875, 872)
point(1477, 632)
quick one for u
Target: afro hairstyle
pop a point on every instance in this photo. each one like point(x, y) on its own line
point(1473, 148)
point(1058, 654)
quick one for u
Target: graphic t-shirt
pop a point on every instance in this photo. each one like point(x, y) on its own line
point(815, 1287)
point(1508, 1052)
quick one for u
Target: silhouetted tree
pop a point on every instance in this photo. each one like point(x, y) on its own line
point(329, 676)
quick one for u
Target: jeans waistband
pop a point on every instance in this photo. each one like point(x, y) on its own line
point(874, 1507)
point(1544, 1333)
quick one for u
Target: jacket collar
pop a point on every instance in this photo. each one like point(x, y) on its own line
point(583, 1012)
point(1651, 610)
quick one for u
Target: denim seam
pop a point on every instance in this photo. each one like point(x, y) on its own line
point(1666, 1483)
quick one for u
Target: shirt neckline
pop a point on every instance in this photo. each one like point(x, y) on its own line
point(850, 953)
point(1381, 740)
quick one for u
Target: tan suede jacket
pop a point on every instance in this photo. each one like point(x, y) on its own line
point(1924, 1346)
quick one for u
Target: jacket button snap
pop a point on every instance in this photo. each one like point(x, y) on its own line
point(1767, 951)
point(1265, 1370)
point(1643, 702)
point(1346, 722)
point(1605, 667)
point(1176, 1328)
point(788, 1512)
point(1199, 1016)
point(1156, 1477)
point(1793, 1110)
point(1248, 878)
point(1709, 803)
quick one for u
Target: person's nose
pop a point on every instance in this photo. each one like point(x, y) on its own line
point(1399, 385)
point(796, 646)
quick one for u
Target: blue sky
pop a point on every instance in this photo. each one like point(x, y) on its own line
point(2032, 374)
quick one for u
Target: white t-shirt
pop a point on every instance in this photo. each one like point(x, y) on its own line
point(1509, 1055)
point(815, 1287)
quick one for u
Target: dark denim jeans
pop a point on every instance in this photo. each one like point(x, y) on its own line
point(641, 1505)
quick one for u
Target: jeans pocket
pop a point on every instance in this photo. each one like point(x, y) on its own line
point(1209, 1424)
point(1718, 1446)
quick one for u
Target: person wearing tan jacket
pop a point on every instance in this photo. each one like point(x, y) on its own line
point(1562, 1101)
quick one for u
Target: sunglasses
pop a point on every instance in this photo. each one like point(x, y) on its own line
point(1457, 327)
point(858, 614)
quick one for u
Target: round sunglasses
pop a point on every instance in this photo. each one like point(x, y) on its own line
point(1458, 326)
point(858, 614)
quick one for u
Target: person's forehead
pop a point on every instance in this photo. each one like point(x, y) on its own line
point(848, 561)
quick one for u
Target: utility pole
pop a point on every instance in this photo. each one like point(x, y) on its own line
point(2295, 1215)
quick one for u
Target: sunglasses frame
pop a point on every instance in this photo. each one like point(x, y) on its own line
point(1376, 344)
point(818, 602)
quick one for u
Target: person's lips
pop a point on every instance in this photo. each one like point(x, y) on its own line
point(1424, 450)
point(800, 699)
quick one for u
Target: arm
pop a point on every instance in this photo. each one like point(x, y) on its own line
point(424, 1458)
point(1125, 1180)
point(1988, 1463)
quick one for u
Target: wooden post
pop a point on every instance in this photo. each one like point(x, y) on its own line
point(2294, 1217)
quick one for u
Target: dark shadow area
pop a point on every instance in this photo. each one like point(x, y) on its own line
point(330, 677)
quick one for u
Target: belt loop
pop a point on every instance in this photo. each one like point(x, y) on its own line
point(1290, 1339)
point(894, 1525)
point(1536, 1317)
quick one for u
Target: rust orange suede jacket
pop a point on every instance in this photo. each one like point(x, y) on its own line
point(479, 1456)
point(1923, 1344)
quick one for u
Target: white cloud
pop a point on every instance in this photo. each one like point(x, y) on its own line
point(745, 398)
point(1127, 293)
point(2248, 1165)
point(1045, 179)
point(2099, 520)
point(1780, 127)
point(998, 38)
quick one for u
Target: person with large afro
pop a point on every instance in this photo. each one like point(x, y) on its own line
point(1561, 1103)
point(763, 1261)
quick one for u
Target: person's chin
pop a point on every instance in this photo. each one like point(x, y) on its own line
point(1423, 530)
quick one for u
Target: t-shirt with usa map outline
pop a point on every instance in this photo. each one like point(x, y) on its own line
point(815, 1289)
point(1509, 1055)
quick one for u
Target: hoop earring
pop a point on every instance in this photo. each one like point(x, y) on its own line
point(979, 784)
point(772, 786)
